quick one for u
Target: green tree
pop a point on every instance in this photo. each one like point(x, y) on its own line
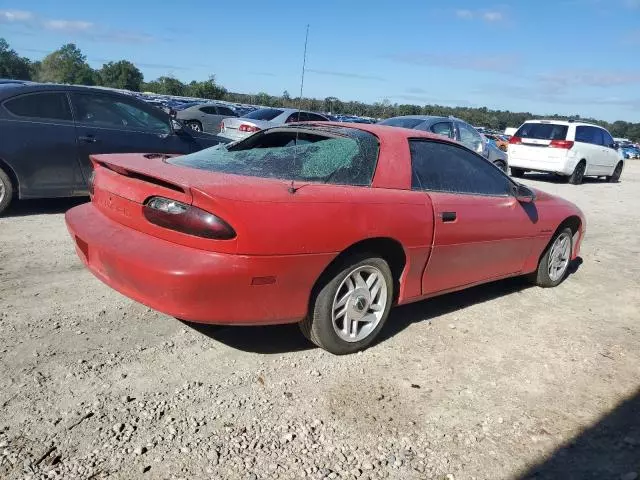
point(285, 96)
point(207, 89)
point(12, 65)
point(122, 74)
point(166, 86)
point(66, 65)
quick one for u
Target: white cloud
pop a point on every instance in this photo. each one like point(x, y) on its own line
point(68, 25)
point(31, 22)
point(490, 16)
point(15, 16)
point(467, 14)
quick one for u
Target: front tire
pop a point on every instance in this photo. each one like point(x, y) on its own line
point(195, 126)
point(615, 176)
point(517, 172)
point(351, 306)
point(554, 264)
point(6, 191)
point(577, 176)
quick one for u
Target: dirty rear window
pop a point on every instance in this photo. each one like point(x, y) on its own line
point(339, 156)
point(542, 131)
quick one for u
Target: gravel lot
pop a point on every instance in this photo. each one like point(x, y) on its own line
point(485, 383)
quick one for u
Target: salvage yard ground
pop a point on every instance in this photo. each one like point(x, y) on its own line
point(500, 381)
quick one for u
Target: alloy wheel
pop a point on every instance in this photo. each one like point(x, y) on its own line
point(359, 303)
point(559, 257)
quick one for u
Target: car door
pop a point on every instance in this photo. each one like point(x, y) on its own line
point(589, 146)
point(481, 231)
point(613, 156)
point(115, 124)
point(210, 119)
point(39, 142)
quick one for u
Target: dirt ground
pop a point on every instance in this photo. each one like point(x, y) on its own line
point(502, 381)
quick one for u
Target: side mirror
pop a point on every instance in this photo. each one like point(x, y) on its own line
point(616, 145)
point(523, 193)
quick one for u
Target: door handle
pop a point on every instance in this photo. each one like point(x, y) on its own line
point(448, 216)
point(88, 139)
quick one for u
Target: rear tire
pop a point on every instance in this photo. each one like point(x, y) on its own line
point(615, 176)
point(577, 176)
point(501, 165)
point(6, 191)
point(554, 263)
point(517, 172)
point(195, 125)
point(351, 306)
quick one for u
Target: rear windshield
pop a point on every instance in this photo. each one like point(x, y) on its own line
point(402, 122)
point(264, 114)
point(327, 156)
point(543, 131)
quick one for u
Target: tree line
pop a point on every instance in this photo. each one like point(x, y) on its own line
point(69, 65)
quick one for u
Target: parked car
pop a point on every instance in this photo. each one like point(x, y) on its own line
point(498, 157)
point(205, 117)
point(498, 141)
point(47, 133)
point(630, 152)
point(568, 148)
point(239, 128)
point(453, 128)
point(328, 225)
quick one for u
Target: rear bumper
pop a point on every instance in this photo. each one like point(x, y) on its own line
point(562, 166)
point(192, 284)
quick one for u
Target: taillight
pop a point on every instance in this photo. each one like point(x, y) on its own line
point(566, 144)
point(184, 218)
point(248, 128)
point(221, 126)
point(515, 140)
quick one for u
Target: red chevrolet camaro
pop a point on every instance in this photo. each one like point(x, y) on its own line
point(326, 224)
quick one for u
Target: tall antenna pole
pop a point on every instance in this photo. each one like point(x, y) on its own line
point(304, 64)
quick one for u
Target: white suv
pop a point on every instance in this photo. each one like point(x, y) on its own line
point(573, 149)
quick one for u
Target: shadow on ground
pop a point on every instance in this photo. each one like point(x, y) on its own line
point(609, 450)
point(288, 338)
point(22, 208)
point(552, 178)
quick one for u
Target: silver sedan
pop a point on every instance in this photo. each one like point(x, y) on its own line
point(239, 128)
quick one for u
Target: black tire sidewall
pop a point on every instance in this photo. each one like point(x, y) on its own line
point(322, 331)
point(517, 172)
point(8, 191)
point(576, 179)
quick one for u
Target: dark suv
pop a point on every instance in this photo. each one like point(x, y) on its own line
point(47, 133)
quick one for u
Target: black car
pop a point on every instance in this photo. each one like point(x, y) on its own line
point(47, 133)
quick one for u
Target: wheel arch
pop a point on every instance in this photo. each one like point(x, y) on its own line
point(387, 248)
point(15, 183)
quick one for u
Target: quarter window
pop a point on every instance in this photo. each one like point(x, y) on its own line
point(112, 112)
point(50, 106)
point(444, 167)
point(442, 128)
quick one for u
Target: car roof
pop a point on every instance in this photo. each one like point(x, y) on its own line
point(563, 122)
point(423, 117)
point(11, 89)
point(380, 131)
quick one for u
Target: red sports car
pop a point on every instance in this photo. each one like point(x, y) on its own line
point(326, 224)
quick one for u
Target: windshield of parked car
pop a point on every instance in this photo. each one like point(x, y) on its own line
point(542, 131)
point(264, 114)
point(327, 155)
point(402, 122)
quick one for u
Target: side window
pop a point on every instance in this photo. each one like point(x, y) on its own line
point(442, 128)
point(470, 137)
point(226, 111)
point(314, 117)
point(294, 117)
point(444, 167)
point(596, 135)
point(582, 135)
point(111, 112)
point(50, 106)
point(209, 110)
point(607, 139)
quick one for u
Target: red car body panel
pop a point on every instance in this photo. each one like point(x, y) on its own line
point(285, 241)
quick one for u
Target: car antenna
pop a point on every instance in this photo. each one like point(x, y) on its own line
point(292, 188)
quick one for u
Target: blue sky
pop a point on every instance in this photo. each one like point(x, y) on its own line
point(545, 56)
